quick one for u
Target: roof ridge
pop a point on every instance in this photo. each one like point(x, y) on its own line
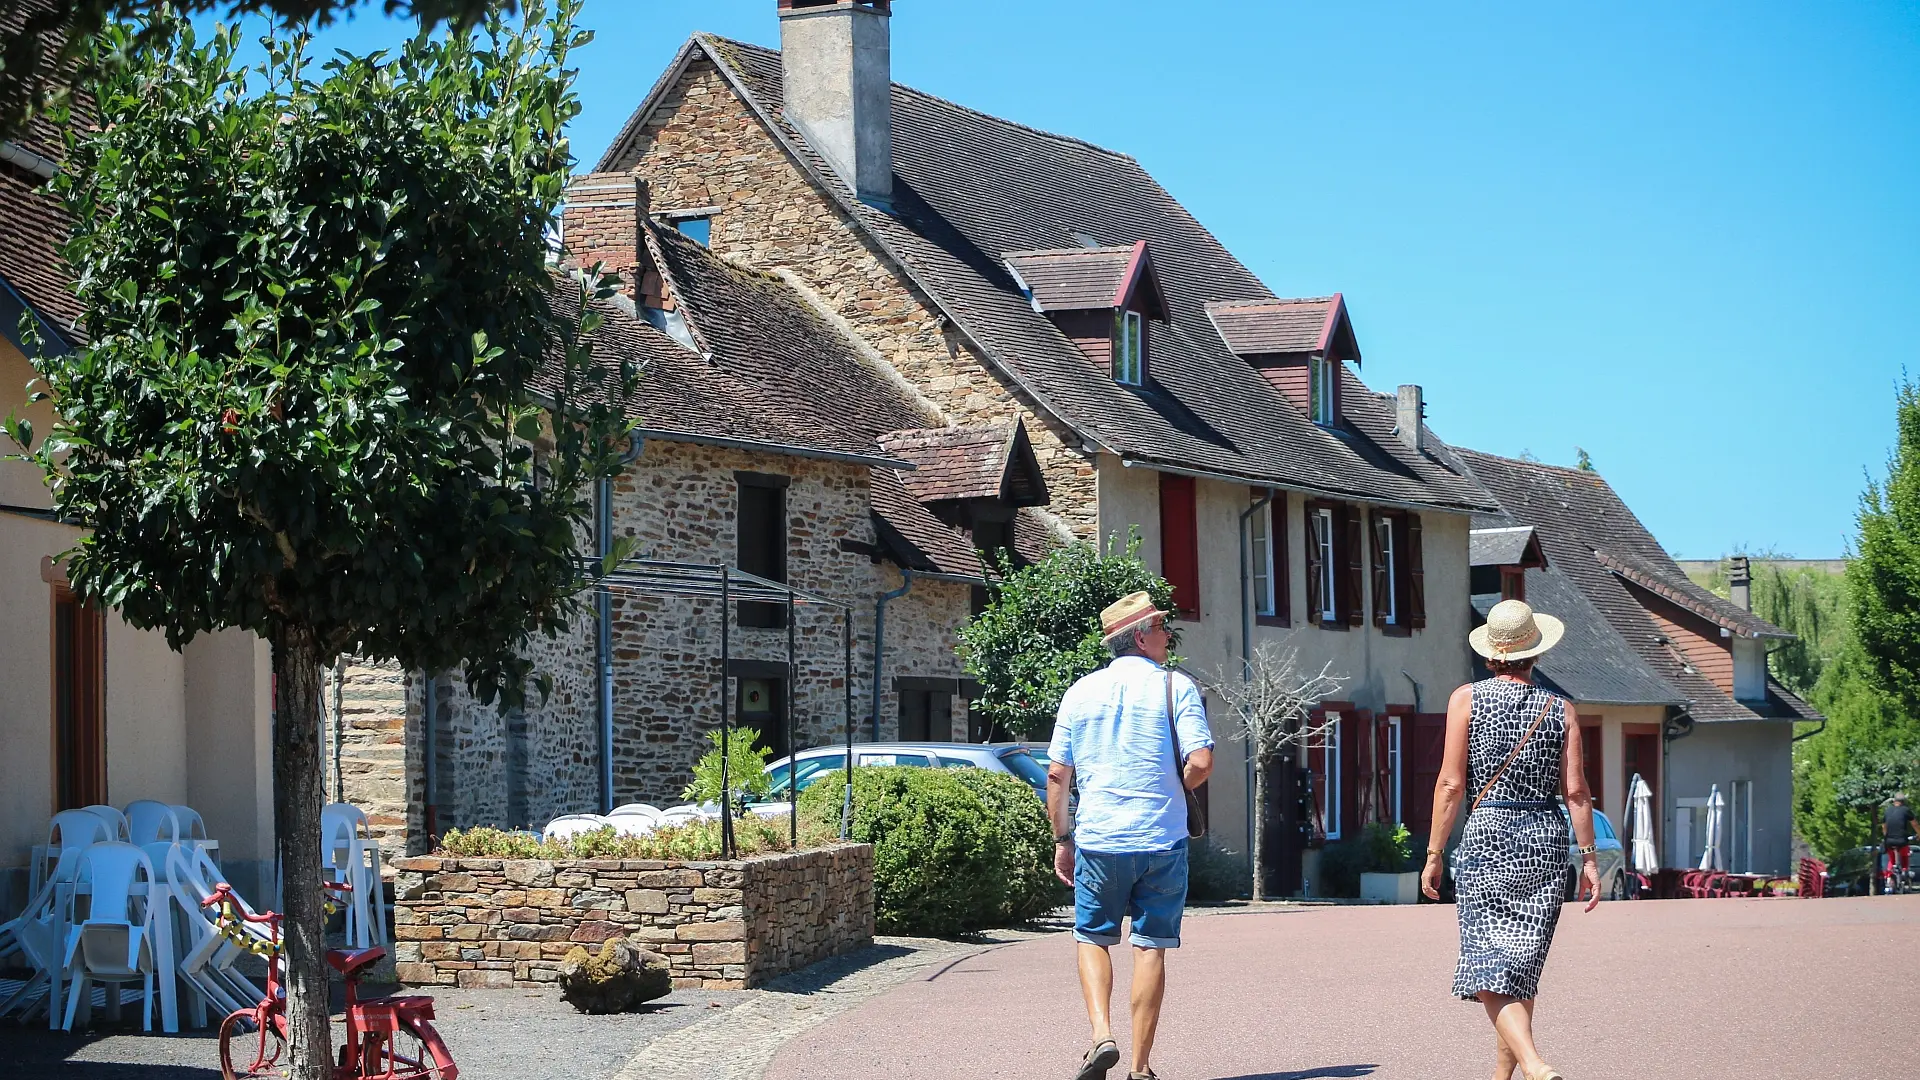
point(1074, 139)
point(1222, 305)
point(1103, 249)
point(1573, 469)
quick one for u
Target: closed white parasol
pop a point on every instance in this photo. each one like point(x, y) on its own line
point(1714, 857)
point(1646, 857)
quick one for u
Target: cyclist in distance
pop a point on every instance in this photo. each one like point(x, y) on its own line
point(1896, 831)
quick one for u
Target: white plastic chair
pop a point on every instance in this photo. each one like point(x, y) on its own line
point(635, 808)
point(112, 816)
point(112, 945)
point(150, 821)
point(194, 831)
point(354, 858)
point(632, 824)
point(567, 826)
point(37, 934)
point(69, 829)
point(205, 955)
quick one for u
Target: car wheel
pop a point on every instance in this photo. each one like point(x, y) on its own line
point(1619, 890)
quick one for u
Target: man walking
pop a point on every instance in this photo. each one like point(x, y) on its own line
point(1125, 854)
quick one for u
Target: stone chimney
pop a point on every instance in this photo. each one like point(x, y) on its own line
point(835, 58)
point(1410, 410)
point(1740, 582)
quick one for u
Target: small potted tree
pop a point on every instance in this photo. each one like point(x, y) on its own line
point(1390, 877)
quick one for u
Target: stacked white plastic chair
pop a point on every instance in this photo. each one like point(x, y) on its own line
point(74, 829)
point(205, 955)
point(38, 934)
point(634, 819)
point(112, 816)
point(567, 826)
point(352, 858)
point(151, 821)
point(112, 944)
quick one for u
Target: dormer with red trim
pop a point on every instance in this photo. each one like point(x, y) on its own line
point(1103, 298)
point(1298, 345)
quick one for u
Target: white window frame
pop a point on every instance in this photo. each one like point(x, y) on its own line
point(1393, 762)
point(1129, 349)
point(1265, 595)
point(1321, 389)
point(1329, 610)
point(1329, 793)
point(1383, 536)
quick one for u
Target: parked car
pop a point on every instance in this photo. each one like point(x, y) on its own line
point(1615, 880)
point(809, 766)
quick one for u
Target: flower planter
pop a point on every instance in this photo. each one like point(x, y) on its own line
point(721, 925)
point(1390, 888)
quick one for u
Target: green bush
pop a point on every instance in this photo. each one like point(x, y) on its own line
point(1379, 849)
point(1024, 838)
point(951, 851)
point(694, 841)
point(746, 768)
point(1215, 874)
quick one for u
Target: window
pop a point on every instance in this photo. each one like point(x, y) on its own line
point(1399, 589)
point(762, 541)
point(1129, 347)
point(1323, 380)
point(1323, 575)
point(762, 708)
point(1386, 590)
point(1265, 569)
point(1323, 761)
point(808, 770)
point(697, 229)
point(1180, 543)
point(1513, 583)
point(79, 691)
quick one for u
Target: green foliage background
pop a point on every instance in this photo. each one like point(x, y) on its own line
point(746, 767)
point(1041, 630)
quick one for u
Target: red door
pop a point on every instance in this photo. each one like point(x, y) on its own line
point(1641, 744)
point(1426, 745)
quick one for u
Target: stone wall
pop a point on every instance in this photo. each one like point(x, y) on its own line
point(703, 147)
point(721, 926)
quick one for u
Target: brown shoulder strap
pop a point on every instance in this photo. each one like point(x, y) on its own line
point(1173, 729)
point(1514, 753)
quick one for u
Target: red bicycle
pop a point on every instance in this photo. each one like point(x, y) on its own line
point(387, 1038)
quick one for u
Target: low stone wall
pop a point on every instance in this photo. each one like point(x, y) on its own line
point(721, 925)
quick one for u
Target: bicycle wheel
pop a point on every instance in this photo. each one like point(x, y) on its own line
point(246, 1053)
point(415, 1052)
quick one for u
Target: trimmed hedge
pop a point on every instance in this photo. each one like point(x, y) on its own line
point(954, 850)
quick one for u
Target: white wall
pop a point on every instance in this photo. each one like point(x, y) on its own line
point(1730, 754)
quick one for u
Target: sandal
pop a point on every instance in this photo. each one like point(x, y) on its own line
point(1104, 1055)
point(1547, 1072)
point(1148, 1075)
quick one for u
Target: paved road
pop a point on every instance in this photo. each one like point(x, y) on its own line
point(1679, 990)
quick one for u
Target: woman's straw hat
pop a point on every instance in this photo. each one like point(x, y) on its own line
point(1515, 632)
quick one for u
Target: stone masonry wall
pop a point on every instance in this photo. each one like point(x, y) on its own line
point(703, 147)
point(721, 926)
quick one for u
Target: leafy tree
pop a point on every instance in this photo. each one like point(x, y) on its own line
point(50, 44)
point(1581, 460)
point(318, 308)
point(1883, 580)
point(1839, 774)
point(746, 767)
point(1041, 630)
point(1806, 601)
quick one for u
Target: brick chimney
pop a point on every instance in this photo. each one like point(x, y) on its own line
point(600, 222)
point(835, 58)
point(1740, 582)
point(1410, 409)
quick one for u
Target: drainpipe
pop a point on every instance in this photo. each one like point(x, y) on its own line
point(603, 611)
point(880, 640)
point(27, 161)
point(431, 720)
point(1246, 638)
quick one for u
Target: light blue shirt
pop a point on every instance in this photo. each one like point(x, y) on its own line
point(1112, 731)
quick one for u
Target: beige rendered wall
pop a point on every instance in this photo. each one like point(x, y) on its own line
point(1373, 663)
point(229, 754)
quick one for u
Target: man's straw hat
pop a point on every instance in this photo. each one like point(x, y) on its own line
point(1515, 632)
point(1126, 613)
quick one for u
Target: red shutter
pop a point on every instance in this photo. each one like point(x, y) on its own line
point(1354, 542)
point(1282, 569)
point(1425, 745)
point(1379, 555)
point(1180, 543)
point(1316, 567)
point(1416, 576)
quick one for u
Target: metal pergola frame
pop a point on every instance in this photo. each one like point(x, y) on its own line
point(716, 581)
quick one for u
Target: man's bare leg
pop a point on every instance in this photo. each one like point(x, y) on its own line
point(1149, 987)
point(1096, 985)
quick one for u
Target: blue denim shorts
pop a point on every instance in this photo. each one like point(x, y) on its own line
point(1148, 887)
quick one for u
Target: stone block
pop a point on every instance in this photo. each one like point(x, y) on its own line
point(546, 898)
point(484, 980)
point(418, 974)
point(711, 931)
point(646, 902)
point(720, 952)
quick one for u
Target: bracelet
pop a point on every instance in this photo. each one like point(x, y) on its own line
point(1432, 851)
point(1589, 850)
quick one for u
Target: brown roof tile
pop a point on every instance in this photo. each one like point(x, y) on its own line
point(1260, 327)
point(1075, 279)
point(979, 461)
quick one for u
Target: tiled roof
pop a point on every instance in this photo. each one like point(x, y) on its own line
point(1592, 664)
point(919, 540)
point(979, 461)
point(1503, 545)
point(1577, 516)
point(32, 223)
point(1714, 609)
point(970, 187)
point(1260, 327)
point(1074, 279)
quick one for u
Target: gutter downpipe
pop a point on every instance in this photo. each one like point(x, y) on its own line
point(603, 613)
point(1246, 643)
point(880, 641)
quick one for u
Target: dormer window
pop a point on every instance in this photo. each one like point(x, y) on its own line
point(1323, 378)
point(1129, 347)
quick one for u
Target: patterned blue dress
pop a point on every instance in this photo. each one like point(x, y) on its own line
point(1510, 871)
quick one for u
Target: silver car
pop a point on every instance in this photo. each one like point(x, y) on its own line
point(809, 766)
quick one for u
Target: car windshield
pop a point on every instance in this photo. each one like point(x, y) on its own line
point(1021, 764)
point(810, 769)
point(1602, 828)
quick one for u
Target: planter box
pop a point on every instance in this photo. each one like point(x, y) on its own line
point(721, 925)
point(1390, 888)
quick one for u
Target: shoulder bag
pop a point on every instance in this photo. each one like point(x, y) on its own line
point(1514, 753)
point(1196, 814)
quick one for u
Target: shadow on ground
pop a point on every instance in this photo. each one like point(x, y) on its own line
point(1325, 1072)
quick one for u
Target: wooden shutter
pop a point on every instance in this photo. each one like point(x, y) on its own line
point(1282, 569)
point(1180, 543)
point(1381, 584)
point(1416, 576)
point(1354, 543)
point(79, 694)
point(760, 528)
point(1316, 568)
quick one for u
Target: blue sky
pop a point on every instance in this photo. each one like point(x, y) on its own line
point(1683, 236)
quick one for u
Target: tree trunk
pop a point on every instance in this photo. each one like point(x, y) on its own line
point(297, 799)
point(1259, 825)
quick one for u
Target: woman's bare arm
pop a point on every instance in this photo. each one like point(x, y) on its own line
point(1450, 789)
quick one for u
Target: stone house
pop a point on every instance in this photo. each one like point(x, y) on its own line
point(772, 441)
point(1012, 275)
point(96, 711)
point(1670, 680)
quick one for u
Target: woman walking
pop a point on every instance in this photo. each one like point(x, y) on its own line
point(1511, 745)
